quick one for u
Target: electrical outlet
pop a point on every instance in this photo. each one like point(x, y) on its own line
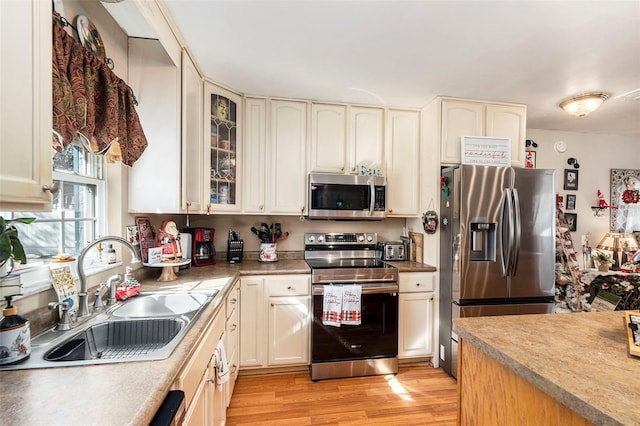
point(442, 352)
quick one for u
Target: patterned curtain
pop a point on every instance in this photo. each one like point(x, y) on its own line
point(92, 107)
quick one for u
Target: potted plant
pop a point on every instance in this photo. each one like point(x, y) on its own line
point(603, 260)
point(10, 246)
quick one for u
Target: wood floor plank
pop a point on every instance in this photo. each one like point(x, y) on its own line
point(417, 395)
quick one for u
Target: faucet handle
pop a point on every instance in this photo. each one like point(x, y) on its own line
point(97, 303)
point(65, 321)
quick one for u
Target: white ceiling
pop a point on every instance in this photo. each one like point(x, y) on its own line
point(404, 53)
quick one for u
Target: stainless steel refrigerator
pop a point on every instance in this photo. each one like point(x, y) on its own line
point(497, 246)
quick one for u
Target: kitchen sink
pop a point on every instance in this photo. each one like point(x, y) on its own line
point(117, 340)
point(144, 328)
point(161, 304)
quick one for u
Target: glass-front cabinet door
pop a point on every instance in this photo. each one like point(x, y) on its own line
point(222, 135)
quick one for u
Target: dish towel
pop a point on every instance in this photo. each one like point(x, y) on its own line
point(222, 368)
point(331, 305)
point(351, 304)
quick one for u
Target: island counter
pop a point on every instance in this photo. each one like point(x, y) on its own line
point(569, 369)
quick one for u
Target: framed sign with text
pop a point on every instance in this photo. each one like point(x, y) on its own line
point(486, 151)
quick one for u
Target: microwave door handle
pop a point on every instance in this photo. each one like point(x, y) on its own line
point(372, 191)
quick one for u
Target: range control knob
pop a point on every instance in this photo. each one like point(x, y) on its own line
point(320, 238)
point(311, 238)
point(360, 238)
point(369, 238)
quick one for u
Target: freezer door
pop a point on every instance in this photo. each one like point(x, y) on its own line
point(533, 275)
point(481, 233)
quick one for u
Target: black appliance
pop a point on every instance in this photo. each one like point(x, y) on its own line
point(203, 252)
point(353, 350)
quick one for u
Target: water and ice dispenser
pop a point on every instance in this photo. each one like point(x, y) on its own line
point(482, 247)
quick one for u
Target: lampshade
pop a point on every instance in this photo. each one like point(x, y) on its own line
point(583, 105)
point(616, 242)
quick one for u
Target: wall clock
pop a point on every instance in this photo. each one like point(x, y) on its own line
point(560, 146)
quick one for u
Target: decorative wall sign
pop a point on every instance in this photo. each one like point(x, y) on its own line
point(430, 221)
point(530, 160)
point(625, 200)
point(488, 151)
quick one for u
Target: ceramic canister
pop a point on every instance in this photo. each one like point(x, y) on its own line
point(268, 252)
point(15, 337)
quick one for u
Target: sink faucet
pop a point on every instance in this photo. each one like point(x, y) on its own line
point(83, 295)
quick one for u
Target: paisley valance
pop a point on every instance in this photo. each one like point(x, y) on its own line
point(92, 107)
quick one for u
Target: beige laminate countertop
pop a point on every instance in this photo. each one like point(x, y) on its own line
point(128, 393)
point(580, 359)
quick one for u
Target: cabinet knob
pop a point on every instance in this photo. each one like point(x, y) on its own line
point(289, 288)
point(342, 169)
point(353, 169)
point(261, 207)
point(52, 189)
point(417, 284)
point(233, 327)
point(234, 301)
point(390, 210)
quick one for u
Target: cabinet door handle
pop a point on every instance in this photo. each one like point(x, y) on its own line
point(289, 288)
point(52, 189)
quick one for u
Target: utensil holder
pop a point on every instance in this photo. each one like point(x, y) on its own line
point(234, 251)
point(268, 252)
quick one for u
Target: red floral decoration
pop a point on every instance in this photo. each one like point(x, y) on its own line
point(631, 196)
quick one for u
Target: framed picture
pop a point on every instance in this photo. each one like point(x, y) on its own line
point(625, 200)
point(145, 236)
point(530, 160)
point(570, 180)
point(571, 202)
point(572, 221)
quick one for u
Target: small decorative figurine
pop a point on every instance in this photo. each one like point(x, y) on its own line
point(169, 240)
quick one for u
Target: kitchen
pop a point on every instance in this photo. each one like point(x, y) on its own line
point(582, 146)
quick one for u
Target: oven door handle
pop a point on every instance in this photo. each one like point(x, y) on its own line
point(318, 290)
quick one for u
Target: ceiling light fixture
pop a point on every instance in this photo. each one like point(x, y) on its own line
point(583, 105)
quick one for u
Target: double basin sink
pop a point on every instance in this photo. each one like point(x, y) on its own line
point(147, 327)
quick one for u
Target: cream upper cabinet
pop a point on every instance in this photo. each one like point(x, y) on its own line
point(461, 117)
point(287, 157)
point(328, 138)
point(192, 193)
point(25, 121)
point(254, 155)
point(344, 136)
point(156, 81)
point(222, 143)
point(403, 138)
point(509, 121)
point(366, 137)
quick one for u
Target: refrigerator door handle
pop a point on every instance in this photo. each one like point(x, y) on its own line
point(517, 228)
point(505, 220)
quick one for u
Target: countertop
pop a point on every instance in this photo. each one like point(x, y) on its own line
point(128, 393)
point(580, 359)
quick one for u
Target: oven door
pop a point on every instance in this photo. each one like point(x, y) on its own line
point(375, 337)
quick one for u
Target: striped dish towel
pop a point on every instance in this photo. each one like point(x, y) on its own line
point(351, 305)
point(331, 305)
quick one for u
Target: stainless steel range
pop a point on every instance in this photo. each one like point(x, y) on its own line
point(348, 350)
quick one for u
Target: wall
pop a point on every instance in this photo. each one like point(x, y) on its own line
point(596, 154)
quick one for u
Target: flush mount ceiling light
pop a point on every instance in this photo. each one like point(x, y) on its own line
point(583, 105)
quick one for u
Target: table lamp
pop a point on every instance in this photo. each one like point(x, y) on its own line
point(616, 243)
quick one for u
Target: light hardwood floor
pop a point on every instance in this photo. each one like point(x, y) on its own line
point(417, 395)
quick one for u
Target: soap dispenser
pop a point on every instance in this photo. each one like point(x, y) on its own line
point(15, 336)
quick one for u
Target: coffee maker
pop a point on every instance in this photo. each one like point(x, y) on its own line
point(203, 251)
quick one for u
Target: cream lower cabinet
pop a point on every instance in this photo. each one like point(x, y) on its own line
point(206, 402)
point(415, 322)
point(275, 321)
point(461, 117)
point(25, 113)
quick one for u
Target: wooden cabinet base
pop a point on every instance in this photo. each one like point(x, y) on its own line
point(492, 394)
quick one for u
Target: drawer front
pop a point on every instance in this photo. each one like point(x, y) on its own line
point(233, 300)
point(292, 285)
point(417, 282)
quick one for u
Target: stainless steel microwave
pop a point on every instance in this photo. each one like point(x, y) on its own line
point(334, 196)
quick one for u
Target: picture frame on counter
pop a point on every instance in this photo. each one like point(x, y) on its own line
point(570, 180)
point(571, 202)
point(572, 221)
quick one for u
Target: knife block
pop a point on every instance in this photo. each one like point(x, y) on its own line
point(234, 251)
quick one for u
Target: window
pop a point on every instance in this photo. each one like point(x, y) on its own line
point(75, 218)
